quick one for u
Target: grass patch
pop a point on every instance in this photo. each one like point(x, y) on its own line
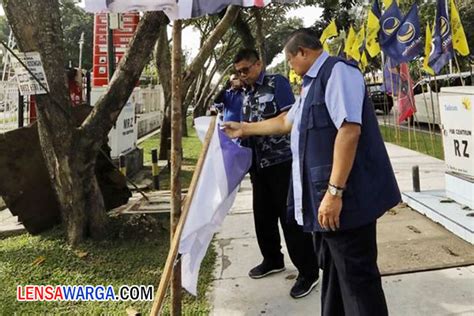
point(119, 260)
point(133, 254)
point(422, 139)
point(191, 151)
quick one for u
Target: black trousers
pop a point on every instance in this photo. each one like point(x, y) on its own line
point(351, 279)
point(270, 192)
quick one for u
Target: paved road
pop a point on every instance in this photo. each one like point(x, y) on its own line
point(420, 127)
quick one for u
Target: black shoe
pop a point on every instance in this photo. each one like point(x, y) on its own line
point(303, 286)
point(264, 269)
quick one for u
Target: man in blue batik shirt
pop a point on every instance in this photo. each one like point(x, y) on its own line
point(267, 96)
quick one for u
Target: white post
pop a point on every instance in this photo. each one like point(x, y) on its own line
point(81, 45)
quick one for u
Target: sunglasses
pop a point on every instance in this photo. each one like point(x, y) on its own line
point(245, 70)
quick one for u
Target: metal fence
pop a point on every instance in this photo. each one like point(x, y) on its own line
point(9, 107)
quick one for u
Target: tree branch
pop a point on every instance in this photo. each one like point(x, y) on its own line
point(209, 45)
point(243, 29)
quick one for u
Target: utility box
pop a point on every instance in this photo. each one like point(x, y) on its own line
point(123, 136)
point(457, 121)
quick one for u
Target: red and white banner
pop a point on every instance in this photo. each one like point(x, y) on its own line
point(406, 99)
point(121, 39)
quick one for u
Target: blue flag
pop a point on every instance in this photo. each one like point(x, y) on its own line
point(406, 43)
point(391, 77)
point(442, 42)
point(389, 23)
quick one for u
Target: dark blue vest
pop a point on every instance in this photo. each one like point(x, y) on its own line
point(371, 188)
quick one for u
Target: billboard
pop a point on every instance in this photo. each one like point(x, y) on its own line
point(121, 40)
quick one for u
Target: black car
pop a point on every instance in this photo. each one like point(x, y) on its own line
point(381, 100)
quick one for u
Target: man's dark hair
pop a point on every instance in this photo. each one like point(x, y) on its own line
point(302, 38)
point(108, 2)
point(246, 54)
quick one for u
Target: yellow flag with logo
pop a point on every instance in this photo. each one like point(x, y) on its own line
point(459, 37)
point(373, 27)
point(426, 66)
point(359, 41)
point(351, 37)
point(329, 31)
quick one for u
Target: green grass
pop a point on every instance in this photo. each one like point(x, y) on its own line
point(423, 143)
point(191, 150)
point(133, 254)
point(123, 259)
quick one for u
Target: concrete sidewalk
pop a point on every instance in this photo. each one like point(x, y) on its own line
point(440, 292)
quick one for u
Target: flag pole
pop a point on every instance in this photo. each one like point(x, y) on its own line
point(395, 121)
point(449, 17)
point(385, 101)
point(427, 111)
point(459, 68)
point(393, 102)
point(432, 103)
point(174, 245)
point(398, 121)
point(412, 100)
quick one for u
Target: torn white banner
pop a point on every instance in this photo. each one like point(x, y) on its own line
point(224, 167)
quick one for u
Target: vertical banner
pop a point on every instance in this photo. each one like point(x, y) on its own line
point(121, 40)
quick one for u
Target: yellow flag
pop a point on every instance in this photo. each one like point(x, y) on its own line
point(459, 37)
point(387, 3)
point(373, 27)
point(326, 47)
point(294, 78)
point(351, 37)
point(329, 31)
point(426, 66)
point(359, 41)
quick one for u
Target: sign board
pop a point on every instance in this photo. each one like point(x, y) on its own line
point(457, 119)
point(27, 84)
point(123, 136)
point(121, 39)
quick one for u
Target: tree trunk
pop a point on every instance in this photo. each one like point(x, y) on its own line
point(244, 31)
point(200, 106)
point(70, 152)
point(163, 62)
point(212, 93)
point(260, 38)
point(208, 46)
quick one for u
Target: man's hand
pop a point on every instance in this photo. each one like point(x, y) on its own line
point(329, 212)
point(233, 129)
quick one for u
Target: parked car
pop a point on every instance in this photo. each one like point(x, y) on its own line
point(426, 99)
point(382, 101)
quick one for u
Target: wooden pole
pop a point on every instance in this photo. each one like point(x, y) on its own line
point(395, 110)
point(174, 245)
point(428, 112)
point(459, 69)
point(176, 150)
point(385, 101)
